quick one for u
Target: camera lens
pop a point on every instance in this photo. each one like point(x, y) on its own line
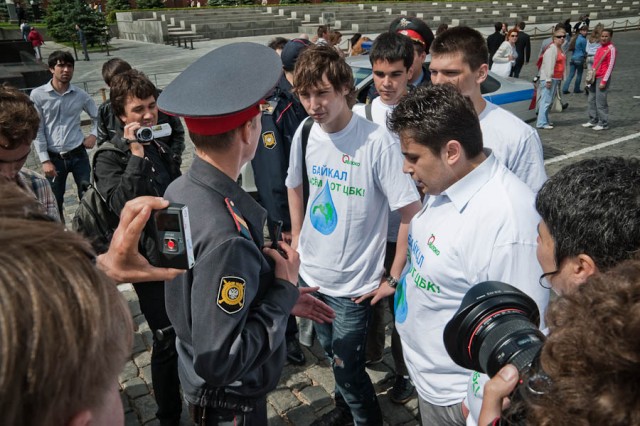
point(496, 324)
point(144, 134)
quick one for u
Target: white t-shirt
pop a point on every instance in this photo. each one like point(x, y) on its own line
point(355, 177)
point(379, 113)
point(515, 144)
point(481, 228)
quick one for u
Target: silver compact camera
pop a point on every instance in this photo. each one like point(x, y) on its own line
point(146, 134)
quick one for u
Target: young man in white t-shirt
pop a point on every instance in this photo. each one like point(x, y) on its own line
point(391, 59)
point(478, 224)
point(354, 170)
point(459, 56)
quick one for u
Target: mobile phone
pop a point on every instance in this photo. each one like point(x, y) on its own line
point(173, 235)
point(277, 237)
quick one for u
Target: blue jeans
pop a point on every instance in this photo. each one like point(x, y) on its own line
point(573, 67)
point(79, 166)
point(344, 343)
point(546, 98)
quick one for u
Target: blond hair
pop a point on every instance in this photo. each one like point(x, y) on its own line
point(65, 330)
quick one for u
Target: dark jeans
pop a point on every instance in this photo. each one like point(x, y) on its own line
point(517, 67)
point(222, 417)
point(164, 358)
point(376, 335)
point(344, 344)
point(78, 165)
point(574, 67)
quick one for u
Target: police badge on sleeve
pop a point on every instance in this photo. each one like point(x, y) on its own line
point(231, 294)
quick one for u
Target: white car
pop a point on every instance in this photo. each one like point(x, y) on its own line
point(512, 94)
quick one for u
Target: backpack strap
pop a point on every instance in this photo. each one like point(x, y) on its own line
point(104, 147)
point(367, 112)
point(306, 129)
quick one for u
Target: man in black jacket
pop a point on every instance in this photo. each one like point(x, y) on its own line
point(109, 125)
point(280, 120)
point(523, 47)
point(494, 41)
point(143, 168)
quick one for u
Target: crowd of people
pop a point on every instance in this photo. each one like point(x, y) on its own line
point(402, 203)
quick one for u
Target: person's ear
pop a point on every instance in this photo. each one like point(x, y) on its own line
point(482, 73)
point(582, 268)
point(452, 152)
point(83, 418)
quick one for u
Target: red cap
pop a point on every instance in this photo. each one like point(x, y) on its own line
point(222, 123)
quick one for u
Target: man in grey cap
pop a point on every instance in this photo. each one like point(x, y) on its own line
point(230, 311)
point(280, 119)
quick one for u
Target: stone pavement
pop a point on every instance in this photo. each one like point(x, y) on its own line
point(304, 392)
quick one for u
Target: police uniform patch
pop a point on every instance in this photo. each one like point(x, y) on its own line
point(231, 294)
point(269, 140)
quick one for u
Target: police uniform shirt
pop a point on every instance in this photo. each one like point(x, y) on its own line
point(229, 312)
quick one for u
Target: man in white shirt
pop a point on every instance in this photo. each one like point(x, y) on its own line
point(459, 56)
point(392, 62)
point(478, 223)
point(354, 178)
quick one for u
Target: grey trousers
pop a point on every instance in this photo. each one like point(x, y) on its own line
point(435, 415)
point(598, 106)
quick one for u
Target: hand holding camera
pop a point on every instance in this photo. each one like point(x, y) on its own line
point(136, 135)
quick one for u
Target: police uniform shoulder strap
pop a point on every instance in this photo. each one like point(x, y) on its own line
point(241, 224)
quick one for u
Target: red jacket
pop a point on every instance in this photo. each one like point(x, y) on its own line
point(604, 70)
point(35, 38)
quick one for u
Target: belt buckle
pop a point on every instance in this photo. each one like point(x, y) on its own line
point(64, 155)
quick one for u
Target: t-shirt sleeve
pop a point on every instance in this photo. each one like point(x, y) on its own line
point(394, 183)
point(294, 172)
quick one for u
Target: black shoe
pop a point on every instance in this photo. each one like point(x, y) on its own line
point(402, 390)
point(577, 91)
point(565, 92)
point(565, 106)
point(294, 352)
point(337, 417)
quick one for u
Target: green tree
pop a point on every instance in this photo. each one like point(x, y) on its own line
point(118, 5)
point(63, 15)
point(150, 4)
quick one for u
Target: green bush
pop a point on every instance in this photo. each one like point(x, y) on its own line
point(63, 15)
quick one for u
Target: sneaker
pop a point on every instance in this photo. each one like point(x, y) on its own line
point(337, 417)
point(588, 124)
point(546, 127)
point(565, 106)
point(599, 127)
point(294, 352)
point(402, 390)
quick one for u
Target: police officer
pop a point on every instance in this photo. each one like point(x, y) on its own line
point(422, 37)
point(230, 311)
point(281, 116)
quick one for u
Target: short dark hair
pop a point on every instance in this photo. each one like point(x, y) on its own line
point(19, 119)
point(322, 29)
point(392, 47)
point(61, 56)
point(434, 115)
point(316, 61)
point(113, 67)
point(498, 26)
point(277, 43)
point(593, 207)
point(521, 25)
point(132, 83)
point(609, 30)
point(464, 40)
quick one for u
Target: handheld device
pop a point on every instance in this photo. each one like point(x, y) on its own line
point(277, 237)
point(173, 235)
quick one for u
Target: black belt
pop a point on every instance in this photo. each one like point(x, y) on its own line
point(79, 150)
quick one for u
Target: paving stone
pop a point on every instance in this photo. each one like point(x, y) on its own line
point(129, 295)
point(154, 422)
point(146, 408)
point(394, 413)
point(283, 400)
point(315, 396)
point(380, 374)
point(147, 337)
point(301, 416)
point(273, 417)
point(131, 419)
point(146, 375)
point(126, 406)
point(296, 381)
point(135, 388)
point(134, 307)
point(142, 359)
point(322, 376)
point(138, 344)
point(129, 371)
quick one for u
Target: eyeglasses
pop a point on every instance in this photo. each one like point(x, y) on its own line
point(513, 35)
point(563, 36)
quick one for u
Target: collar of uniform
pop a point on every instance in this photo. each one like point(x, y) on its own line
point(49, 87)
point(284, 85)
point(461, 192)
point(210, 176)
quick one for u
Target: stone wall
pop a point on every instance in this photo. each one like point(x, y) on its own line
point(141, 26)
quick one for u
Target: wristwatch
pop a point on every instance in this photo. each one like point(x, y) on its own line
point(393, 282)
